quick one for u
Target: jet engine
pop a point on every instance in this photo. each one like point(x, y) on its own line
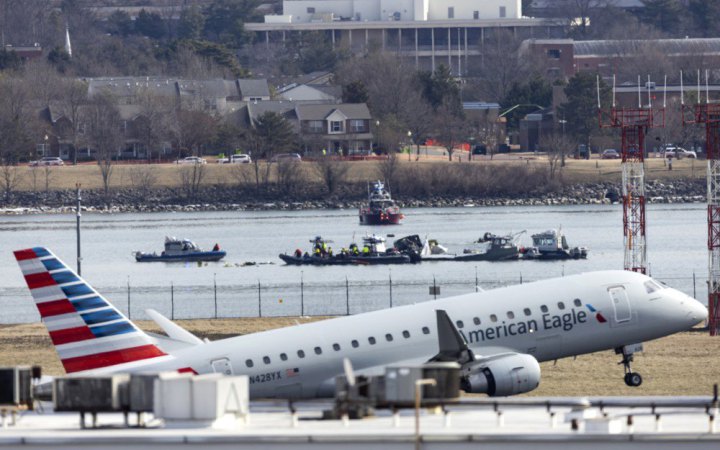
point(501, 375)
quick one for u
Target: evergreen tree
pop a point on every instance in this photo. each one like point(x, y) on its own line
point(705, 15)
point(150, 25)
point(665, 15)
point(355, 92)
point(524, 97)
point(191, 24)
point(274, 134)
point(580, 110)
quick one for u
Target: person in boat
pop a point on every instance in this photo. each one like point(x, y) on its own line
point(298, 253)
point(330, 252)
point(366, 250)
point(216, 247)
point(317, 251)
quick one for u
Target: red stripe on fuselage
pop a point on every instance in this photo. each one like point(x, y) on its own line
point(187, 370)
point(112, 358)
point(22, 255)
point(39, 280)
point(55, 308)
point(69, 335)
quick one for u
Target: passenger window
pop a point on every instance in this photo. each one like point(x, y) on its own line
point(493, 318)
point(406, 334)
point(389, 337)
point(511, 315)
point(249, 362)
point(318, 351)
point(476, 320)
point(459, 324)
point(371, 340)
point(336, 347)
point(561, 305)
point(355, 343)
point(266, 359)
point(301, 354)
point(577, 302)
point(426, 330)
point(544, 308)
point(527, 311)
point(283, 356)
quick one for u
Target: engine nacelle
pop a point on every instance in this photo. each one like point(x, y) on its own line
point(508, 374)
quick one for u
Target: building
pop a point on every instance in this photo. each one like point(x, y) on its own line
point(428, 32)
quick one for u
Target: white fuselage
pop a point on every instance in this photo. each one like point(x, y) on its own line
point(547, 319)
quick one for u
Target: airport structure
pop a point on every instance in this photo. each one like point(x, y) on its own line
point(708, 114)
point(633, 123)
point(429, 32)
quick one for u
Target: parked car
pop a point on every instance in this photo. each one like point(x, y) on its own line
point(610, 153)
point(679, 153)
point(286, 157)
point(240, 158)
point(191, 160)
point(48, 161)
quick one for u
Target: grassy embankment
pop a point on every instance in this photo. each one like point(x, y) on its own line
point(682, 364)
point(168, 175)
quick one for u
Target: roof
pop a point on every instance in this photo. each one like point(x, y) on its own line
point(630, 47)
point(282, 107)
point(480, 106)
point(253, 88)
point(320, 111)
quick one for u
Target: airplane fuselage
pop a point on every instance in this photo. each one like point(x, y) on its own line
point(549, 320)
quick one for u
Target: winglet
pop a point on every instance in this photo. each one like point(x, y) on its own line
point(452, 345)
point(173, 330)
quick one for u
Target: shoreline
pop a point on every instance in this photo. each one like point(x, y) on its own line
point(225, 198)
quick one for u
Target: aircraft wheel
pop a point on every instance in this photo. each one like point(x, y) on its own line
point(633, 379)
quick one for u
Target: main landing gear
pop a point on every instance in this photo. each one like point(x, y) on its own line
point(632, 379)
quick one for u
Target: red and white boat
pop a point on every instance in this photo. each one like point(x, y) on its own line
point(380, 209)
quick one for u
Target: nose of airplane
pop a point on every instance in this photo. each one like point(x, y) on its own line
point(697, 311)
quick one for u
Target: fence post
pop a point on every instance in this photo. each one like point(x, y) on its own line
point(302, 295)
point(128, 290)
point(694, 292)
point(390, 278)
point(259, 301)
point(215, 292)
point(434, 288)
point(520, 277)
point(172, 301)
point(347, 296)
point(477, 286)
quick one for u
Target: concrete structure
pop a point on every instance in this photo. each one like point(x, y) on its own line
point(304, 11)
point(428, 43)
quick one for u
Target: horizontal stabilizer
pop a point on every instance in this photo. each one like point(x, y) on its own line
point(173, 330)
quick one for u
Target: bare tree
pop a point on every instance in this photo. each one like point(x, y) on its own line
point(557, 146)
point(48, 175)
point(332, 171)
point(389, 168)
point(501, 64)
point(143, 178)
point(71, 98)
point(18, 122)
point(289, 175)
point(450, 129)
point(488, 135)
point(103, 131)
point(191, 178)
point(417, 117)
point(10, 177)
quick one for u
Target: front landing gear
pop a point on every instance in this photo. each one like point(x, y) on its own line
point(632, 379)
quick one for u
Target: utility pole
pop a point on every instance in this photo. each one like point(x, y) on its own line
point(77, 230)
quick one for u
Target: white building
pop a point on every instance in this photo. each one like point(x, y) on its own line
point(304, 11)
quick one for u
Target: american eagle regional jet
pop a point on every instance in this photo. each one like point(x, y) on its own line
point(497, 336)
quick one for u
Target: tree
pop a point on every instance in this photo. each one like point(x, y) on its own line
point(191, 24)
point(274, 134)
point(580, 110)
point(704, 15)
point(103, 124)
point(224, 20)
point(332, 172)
point(73, 94)
point(18, 121)
point(440, 88)
point(525, 96)
point(355, 92)
point(450, 128)
point(557, 146)
point(150, 25)
point(418, 119)
point(663, 14)
point(120, 23)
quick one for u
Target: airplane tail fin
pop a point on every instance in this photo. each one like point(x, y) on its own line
point(87, 330)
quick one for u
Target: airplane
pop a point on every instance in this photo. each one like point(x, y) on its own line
point(497, 336)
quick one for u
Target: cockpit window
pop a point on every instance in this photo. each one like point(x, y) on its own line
point(652, 286)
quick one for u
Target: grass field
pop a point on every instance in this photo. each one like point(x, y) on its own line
point(594, 170)
point(682, 364)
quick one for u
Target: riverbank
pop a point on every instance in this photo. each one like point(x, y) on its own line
point(681, 364)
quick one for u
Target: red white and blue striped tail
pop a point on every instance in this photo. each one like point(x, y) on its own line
point(87, 330)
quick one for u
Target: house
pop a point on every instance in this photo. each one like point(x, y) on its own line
point(311, 93)
point(253, 90)
point(343, 127)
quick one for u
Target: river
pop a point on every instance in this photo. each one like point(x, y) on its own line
point(676, 236)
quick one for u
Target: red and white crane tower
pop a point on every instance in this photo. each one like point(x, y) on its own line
point(633, 124)
point(708, 113)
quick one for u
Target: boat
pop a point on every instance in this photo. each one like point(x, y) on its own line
point(552, 245)
point(181, 250)
point(381, 208)
point(373, 252)
point(492, 248)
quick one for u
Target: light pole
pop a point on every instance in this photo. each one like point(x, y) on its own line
point(411, 143)
point(379, 140)
point(562, 150)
